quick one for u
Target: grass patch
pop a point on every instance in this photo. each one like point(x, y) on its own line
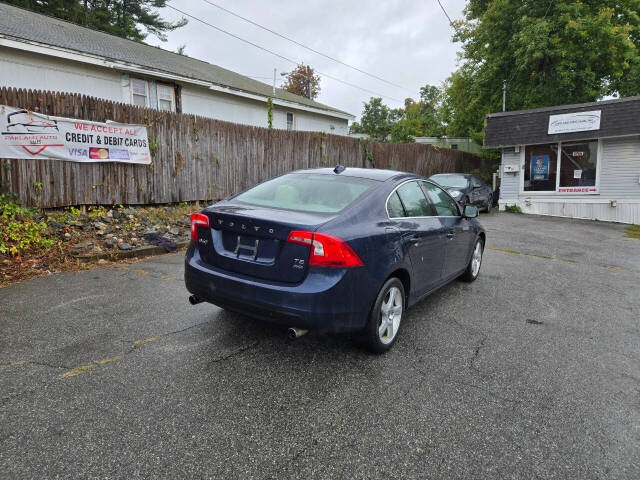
point(633, 231)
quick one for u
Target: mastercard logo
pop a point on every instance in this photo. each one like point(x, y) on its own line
point(99, 153)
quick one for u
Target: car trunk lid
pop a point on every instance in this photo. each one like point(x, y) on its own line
point(252, 241)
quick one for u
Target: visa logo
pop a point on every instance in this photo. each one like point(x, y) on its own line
point(79, 152)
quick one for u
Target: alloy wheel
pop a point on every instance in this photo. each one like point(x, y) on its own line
point(476, 259)
point(390, 315)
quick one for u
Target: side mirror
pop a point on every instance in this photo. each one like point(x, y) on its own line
point(470, 211)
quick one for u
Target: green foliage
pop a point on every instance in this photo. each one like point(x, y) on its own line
point(153, 147)
point(300, 79)
point(19, 231)
point(132, 19)
point(73, 210)
point(550, 53)
point(420, 118)
point(512, 209)
point(376, 120)
point(269, 112)
point(96, 211)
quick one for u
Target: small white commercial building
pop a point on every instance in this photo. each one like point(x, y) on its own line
point(43, 53)
point(578, 161)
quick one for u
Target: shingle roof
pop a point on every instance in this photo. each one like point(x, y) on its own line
point(527, 127)
point(23, 24)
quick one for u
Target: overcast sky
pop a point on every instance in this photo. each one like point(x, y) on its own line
point(405, 42)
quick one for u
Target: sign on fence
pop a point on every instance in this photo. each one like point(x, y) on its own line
point(26, 134)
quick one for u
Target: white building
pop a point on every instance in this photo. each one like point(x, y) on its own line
point(43, 53)
point(579, 161)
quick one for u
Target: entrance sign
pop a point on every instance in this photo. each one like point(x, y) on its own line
point(574, 122)
point(30, 135)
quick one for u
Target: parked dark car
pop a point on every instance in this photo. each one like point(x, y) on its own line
point(466, 189)
point(332, 250)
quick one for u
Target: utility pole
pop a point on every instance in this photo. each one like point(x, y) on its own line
point(504, 95)
point(309, 81)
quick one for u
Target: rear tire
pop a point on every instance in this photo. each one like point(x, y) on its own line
point(381, 331)
point(473, 269)
point(489, 203)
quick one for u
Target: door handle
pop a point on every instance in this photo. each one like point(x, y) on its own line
point(451, 234)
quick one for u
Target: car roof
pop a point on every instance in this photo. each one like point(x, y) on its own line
point(370, 173)
point(466, 175)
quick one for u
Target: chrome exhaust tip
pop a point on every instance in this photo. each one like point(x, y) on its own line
point(294, 332)
point(194, 300)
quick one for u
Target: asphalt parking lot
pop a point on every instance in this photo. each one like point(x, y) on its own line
point(533, 371)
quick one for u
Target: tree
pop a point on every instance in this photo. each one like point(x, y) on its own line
point(550, 53)
point(421, 118)
point(300, 79)
point(402, 125)
point(132, 19)
point(376, 120)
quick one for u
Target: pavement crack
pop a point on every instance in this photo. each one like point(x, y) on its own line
point(476, 353)
point(236, 352)
point(50, 365)
point(135, 344)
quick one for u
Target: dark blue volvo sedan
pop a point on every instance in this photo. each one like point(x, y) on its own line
point(343, 249)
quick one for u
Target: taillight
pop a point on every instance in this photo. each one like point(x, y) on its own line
point(326, 251)
point(198, 220)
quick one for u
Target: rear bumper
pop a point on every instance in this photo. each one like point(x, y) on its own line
point(328, 299)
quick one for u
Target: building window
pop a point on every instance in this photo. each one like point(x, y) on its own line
point(540, 167)
point(139, 92)
point(166, 98)
point(578, 163)
point(454, 146)
point(290, 124)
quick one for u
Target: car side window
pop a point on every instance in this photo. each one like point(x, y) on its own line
point(414, 201)
point(445, 206)
point(475, 182)
point(394, 206)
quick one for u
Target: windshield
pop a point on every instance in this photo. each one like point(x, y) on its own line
point(306, 192)
point(455, 181)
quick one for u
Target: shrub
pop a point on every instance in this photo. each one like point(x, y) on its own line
point(19, 231)
point(512, 209)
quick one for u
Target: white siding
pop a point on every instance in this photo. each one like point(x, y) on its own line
point(307, 121)
point(208, 103)
point(221, 106)
point(40, 72)
point(620, 168)
point(32, 71)
point(510, 182)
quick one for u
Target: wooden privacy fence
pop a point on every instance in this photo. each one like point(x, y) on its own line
point(194, 158)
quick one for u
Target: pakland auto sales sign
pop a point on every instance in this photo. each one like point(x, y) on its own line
point(26, 134)
point(574, 122)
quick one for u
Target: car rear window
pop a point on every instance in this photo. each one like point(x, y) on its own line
point(308, 192)
point(455, 181)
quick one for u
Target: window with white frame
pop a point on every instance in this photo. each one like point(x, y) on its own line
point(578, 166)
point(166, 100)
point(139, 92)
point(570, 167)
point(290, 124)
